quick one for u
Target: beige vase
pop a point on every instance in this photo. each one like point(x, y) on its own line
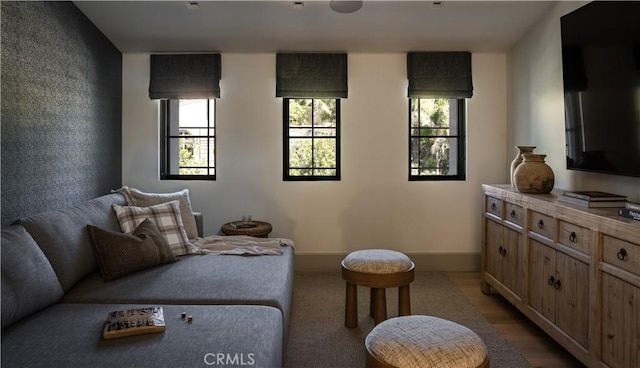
point(518, 160)
point(533, 175)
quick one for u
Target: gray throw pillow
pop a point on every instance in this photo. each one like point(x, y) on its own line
point(29, 283)
point(120, 254)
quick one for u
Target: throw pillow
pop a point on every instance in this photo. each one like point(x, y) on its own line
point(138, 198)
point(147, 229)
point(120, 254)
point(166, 217)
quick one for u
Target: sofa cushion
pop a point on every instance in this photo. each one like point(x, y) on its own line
point(62, 235)
point(28, 280)
point(69, 335)
point(138, 198)
point(120, 254)
point(166, 216)
point(205, 279)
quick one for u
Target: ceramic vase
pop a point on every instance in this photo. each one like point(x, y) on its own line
point(533, 175)
point(518, 160)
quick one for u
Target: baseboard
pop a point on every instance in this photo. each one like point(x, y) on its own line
point(449, 262)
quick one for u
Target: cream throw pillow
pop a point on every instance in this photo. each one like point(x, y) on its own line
point(138, 198)
point(166, 217)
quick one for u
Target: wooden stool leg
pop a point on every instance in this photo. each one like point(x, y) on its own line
point(404, 301)
point(371, 302)
point(379, 305)
point(351, 306)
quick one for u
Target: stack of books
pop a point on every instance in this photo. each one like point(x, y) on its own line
point(593, 199)
point(630, 210)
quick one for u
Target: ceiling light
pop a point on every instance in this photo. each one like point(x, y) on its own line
point(193, 5)
point(298, 5)
point(345, 6)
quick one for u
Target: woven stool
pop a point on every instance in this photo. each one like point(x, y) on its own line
point(377, 269)
point(424, 341)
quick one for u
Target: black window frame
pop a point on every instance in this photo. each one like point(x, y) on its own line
point(165, 137)
point(461, 149)
point(286, 137)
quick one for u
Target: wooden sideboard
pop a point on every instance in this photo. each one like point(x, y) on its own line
point(573, 271)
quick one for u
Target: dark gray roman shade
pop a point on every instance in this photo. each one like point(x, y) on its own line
point(185, 76)
point(439, 74)
point(311, 75)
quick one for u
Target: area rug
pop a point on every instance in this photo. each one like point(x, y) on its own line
point(319, 339)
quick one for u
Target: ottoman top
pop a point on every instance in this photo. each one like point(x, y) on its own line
point(425, 341)
point(377, 261)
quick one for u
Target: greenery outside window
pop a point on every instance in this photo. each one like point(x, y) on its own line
point(187, 139)
point(311, 139)
point(436, 139)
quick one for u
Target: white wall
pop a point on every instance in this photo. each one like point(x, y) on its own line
point(374, 205)
point(536, 106)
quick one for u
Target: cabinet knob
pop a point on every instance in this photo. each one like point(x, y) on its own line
point(573, 237)
point(540, 224)
point(493, 206)
point(551, 280)
point(513, 213)
point(622, 255)
point(557, 284)
point(502, 251)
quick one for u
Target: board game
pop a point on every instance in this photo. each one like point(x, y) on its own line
point(133, 322)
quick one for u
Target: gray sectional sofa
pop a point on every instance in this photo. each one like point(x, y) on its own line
point(54, 302)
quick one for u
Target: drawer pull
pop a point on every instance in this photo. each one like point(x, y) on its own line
point(557, 285)
point(551, 280)
point(541, 224)
point(573, 237)
point(493, 206)
point(622, 255)
point(502, 251)
point(513, 213)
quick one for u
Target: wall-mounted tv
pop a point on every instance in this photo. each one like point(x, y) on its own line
point(601, 75)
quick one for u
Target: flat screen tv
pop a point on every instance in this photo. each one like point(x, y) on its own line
point(601, 75)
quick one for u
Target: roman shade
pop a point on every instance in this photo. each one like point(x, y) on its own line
point(311, 75)
point(184, 76)
point(439, 74)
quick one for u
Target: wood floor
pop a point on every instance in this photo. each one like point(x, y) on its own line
point(539, 349)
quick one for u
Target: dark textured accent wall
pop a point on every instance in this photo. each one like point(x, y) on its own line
point(61, 111)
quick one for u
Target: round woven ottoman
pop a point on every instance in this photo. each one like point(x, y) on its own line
point(377, 269)
point(424, 341)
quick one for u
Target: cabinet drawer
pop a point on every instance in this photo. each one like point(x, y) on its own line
point(574, 236)
point(621, 254)
point(542, 224)
point(494, 206)
point(514, 213)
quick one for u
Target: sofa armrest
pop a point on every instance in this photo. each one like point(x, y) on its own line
point(198, 217)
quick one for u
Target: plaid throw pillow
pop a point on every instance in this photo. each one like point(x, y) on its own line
point(166, 217)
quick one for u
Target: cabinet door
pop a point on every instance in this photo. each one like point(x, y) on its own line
point(542, 277)
point(572, 297)
point(620, 323)
point(511, 243)
point(494, 244)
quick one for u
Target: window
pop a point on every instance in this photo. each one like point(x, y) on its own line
point(187, 139)
point(436, 139)
point(311, 139)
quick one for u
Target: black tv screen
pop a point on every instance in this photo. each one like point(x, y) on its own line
point(601, 75)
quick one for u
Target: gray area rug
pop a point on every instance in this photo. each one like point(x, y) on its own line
point(319, 339)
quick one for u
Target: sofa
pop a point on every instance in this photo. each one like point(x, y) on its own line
point(55, 299)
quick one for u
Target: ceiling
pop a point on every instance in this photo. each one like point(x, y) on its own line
point(271, 26)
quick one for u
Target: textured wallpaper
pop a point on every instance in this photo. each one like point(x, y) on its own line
point(61, 114)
